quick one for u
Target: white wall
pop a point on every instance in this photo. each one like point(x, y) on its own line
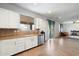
point(42, 24)
point(69, 27)
point(56, 29)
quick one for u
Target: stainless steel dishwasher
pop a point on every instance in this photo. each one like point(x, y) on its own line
point(41, 38)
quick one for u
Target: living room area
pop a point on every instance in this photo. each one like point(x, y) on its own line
point(70, 29)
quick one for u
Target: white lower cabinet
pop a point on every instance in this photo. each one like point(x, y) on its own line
point(35, 41)
point(7, 47)
point(31, 42)
point(19, 44)
point(28, 43)
point(12, 46)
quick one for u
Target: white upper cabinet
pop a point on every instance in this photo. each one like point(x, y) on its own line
point(14, 19)
point(9, 19)
point(3, 18)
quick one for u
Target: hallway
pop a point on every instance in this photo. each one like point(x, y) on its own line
point(56, 47)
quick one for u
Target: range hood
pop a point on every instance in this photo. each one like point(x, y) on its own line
point(26, 19)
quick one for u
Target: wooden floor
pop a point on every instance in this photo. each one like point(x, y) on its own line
point(56, 47)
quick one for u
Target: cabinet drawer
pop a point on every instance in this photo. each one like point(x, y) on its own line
point(19, 45)
point(19, 48)
point(19, 42)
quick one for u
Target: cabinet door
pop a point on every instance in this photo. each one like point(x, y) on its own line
point(20, 44)
point(3, 18)
point(7, 47)
point(34, 41)
point(14, 19)
point(28, 43)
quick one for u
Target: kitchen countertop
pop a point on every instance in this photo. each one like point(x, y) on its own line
point(17, 36)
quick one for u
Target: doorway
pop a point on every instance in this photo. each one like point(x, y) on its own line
point(51, 28)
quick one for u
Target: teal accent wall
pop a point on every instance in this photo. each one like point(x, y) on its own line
point(51, 28)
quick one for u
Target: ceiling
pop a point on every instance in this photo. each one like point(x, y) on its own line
point(60, 11)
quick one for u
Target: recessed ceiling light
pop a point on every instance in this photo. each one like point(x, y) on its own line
point(49, 11)
point(59, 17)
point(35, 4)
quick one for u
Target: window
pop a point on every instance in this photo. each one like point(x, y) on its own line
point(24, 27)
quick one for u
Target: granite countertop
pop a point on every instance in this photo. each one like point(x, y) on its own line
point(17, 36)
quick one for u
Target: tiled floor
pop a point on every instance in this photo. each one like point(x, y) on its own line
point(56, 47)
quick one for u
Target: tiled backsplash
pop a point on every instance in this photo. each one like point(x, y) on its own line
point(9, 32)
point(6, 32)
